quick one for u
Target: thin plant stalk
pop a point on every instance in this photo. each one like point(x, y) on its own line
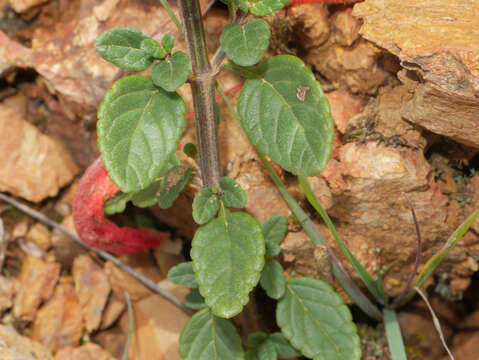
point(364, 275)
point(393, 335)
point(102, 254)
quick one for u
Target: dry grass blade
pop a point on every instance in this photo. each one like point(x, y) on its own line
point(435, 320)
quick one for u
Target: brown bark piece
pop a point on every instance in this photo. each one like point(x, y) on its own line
point(13, 346)
point(88, 351)
point(158, 325)
point(92, 288)
point(37, 281)
point(34, 166)
point(59, 322)
point(440, 41)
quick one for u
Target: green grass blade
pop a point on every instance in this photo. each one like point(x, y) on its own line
point(436, 259)
point(363, 274)
point(393, 334)
point(131, 324)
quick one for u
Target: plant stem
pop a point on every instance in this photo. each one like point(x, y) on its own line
point(172, 15)
point(203, 90)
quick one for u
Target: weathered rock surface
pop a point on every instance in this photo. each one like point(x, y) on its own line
point(65, 56)
point(13, 55)
point(92, 288)
point(40, 236)
point(88, 351)
point(34, 166)
point(37, 282)
point(13, 346)
point(158, 325)
point(21, 6)
point(59, 322)
point(7, 290)
point(64, 248)
point(121, 281)
point(439, 41)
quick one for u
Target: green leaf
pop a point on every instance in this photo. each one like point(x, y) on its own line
point(295, 131)
point(168, 195)
point(315, 320)
point(116, 204)
point(437, 258)
point(138, 130)
point(171, 73)
point(260, 348)
point(153, 48)
point(232, 193)
point(274, 230)
point(183, 274)
point(265, 7)
point(265, 351)
point(168, 42)
point(194, 300)
point(146, 197)
point(228, 255)
point(122, 47)
point(272, 279)
point(393, 335)
point(246, 44)
point(207, 337)
point(190, 150)
point(205, 206)
point(283, 346)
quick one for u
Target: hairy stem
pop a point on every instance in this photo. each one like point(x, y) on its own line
point(203, 90)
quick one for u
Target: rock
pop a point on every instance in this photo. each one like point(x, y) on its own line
point(345, 27)
point(92, 288)
point(64, 248)
point(59, 322)
point(344, 106)
point(81, 83)
point(20, 229)
point(468, 349)
point(382, 121)
point(310, 23)
point(121, 281)
point(37, 282)
point(7, 291)
point(88, 351)
point(40, 236)
point(13, 346)
point(420, 334)
point(443, 56)
point(113, 340)
point(21, 6)
point(114, 308)
point(13, 55)
point(35, 166)
point(366, 184)
point(158, 325)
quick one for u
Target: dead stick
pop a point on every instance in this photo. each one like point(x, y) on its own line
point(103, 254)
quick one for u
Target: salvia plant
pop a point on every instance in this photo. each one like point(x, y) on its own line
point(283, 111)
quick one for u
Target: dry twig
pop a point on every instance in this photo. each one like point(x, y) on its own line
point(103, 254)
